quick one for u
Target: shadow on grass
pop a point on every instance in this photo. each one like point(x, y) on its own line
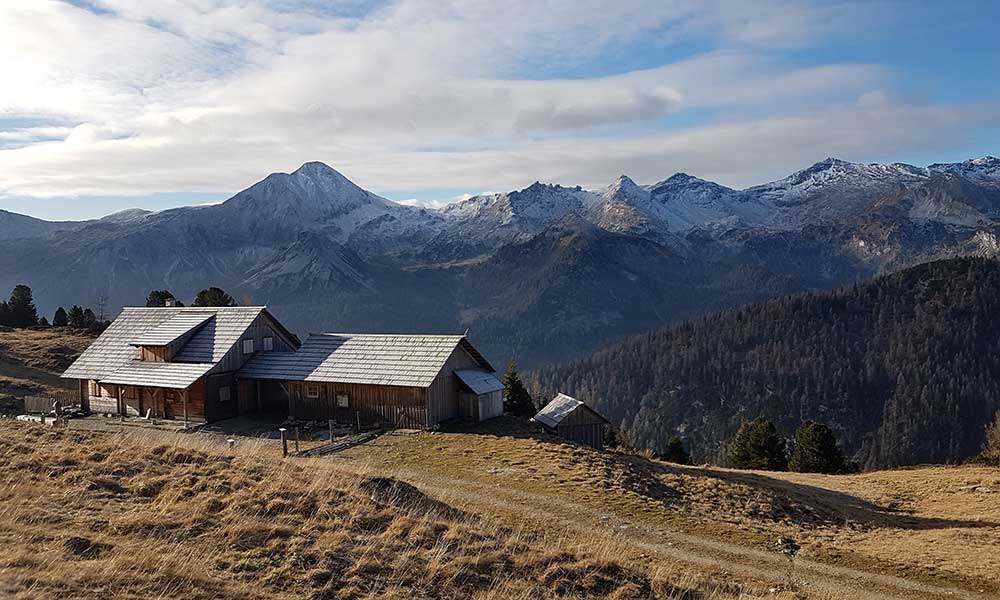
point(799, 502)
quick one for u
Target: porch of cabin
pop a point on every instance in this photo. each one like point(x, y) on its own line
point(137, 400)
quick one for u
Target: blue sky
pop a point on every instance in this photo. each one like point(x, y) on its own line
point(163, 103)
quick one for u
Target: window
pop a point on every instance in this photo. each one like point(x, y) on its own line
point(312, 391)
point(224, 392)
point(268, 344)
point(248, 346)
point(342, 401)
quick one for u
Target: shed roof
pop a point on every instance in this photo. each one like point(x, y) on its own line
point(158, 374)
point(374, 359)
point(559, 408)
point(114, 348)
point(174, 328)
point(479, 381)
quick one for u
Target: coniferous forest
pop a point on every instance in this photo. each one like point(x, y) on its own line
point(904, 369)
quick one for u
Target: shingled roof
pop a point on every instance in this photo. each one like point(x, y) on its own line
point(216, 329)
point(559, 408)
point(374, 359)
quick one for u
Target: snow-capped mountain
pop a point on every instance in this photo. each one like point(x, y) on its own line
point(513, 266)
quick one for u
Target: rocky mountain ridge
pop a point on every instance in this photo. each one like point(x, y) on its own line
point(517, 267)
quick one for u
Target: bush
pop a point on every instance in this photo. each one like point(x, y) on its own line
point(816, 450)
point(676, 452)
point(757, 445)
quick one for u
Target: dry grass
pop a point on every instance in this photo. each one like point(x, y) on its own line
point(31, 359)
point(96, 515)
point(939, 525)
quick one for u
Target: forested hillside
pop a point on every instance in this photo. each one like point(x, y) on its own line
point(905, 368)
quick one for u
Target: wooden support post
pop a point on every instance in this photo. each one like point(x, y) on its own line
point(296, 440)
point(357, 416)
point(260, 391)
point(121, 402)
point(184, 401)
point(331, 429)
point(284, 442)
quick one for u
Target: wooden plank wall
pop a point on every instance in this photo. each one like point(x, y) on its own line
point(375, 404)
point(443, 393)
point(583, 427)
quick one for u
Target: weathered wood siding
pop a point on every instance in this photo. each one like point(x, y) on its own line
point(163, 403)
point(156, 353)
point(374, 404)
point(224, 373)
point(583, 427)
point(443, 393)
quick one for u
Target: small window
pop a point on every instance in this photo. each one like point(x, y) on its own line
point(248, 346)
point(268, 344)
point(224, 393)
point(312, 391)
point(343, 401)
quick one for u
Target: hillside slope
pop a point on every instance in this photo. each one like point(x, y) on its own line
point(905, 368)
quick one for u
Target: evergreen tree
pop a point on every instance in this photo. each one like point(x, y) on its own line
point(160, 297)
point(816, 450)
point(43, 322)
point(991, 447)
point(757, 445)
point(4, 314)
point(76, 318)
point(676, 452)
point(213, 296)
point(516, 399)
point(60, 319)
point(89, 319)
point(21, 307)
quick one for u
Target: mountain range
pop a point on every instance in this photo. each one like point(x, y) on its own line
point(540, 274)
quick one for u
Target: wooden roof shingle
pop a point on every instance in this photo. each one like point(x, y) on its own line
point(559, 408)
point(114, 348)
point(375, 359)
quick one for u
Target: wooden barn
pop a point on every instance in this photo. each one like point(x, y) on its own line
point(413, 381)
point(176, 362)
point(570, 418)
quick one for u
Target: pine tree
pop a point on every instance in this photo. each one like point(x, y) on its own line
point(89, 319)
point(516, 399)
point(757, 445)
point(4, 314)
point(43, 322)
point(21, 307)
point(76, 317)
point(991, 447)
point(816, 450)
point(213, 296)
point(676, 452)
point(60, 319)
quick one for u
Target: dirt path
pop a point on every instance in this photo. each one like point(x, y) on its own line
point(559, 513)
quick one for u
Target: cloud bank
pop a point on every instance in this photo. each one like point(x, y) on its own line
point(126, 97)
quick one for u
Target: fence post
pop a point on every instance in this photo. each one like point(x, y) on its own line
point(284, 442)
point(357, 415)
point(331, 429)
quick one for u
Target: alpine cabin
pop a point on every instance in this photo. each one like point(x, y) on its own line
point(412, 381)
point(176, 362)
point(570, 418)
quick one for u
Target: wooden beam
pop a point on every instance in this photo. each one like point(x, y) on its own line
point(184, 401)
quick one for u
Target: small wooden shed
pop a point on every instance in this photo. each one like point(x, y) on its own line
point(570, 418)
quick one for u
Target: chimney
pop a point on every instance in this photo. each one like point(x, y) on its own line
point(170, 302)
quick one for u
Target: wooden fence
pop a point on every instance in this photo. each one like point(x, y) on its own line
point(43, 404)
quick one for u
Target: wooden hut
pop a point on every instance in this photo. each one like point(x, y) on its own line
point(570, 418)
point(176, 362)
point(412, 381)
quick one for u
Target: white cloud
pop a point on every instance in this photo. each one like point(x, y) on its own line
point(210, 95)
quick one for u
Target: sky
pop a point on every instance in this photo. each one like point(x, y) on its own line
point(112, 104)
